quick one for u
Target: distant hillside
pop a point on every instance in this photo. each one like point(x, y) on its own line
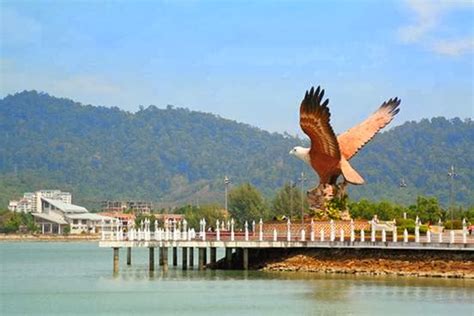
point(175, 155)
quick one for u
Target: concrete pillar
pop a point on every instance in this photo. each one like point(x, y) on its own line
point(191, 257)
point(161, 257)
point(184, 254)
point(228, 258)
point(116, 260)
point(213, 251)
point(175, 256)
point(151, 259)
point(201, 258)
point(245, 257)
point(129, 256)
point(165, 258)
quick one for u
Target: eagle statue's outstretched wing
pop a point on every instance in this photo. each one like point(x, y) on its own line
point(355, 138)
point(314, 121)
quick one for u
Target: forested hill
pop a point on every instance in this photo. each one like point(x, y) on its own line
point(176, 155)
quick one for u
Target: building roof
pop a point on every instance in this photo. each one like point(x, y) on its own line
point(89, 216)
point(50, 218)
point(119, 215)
point(66, 208)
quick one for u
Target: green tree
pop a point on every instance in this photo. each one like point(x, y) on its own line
point(210, 213)
point(287, 201)
point(428, 209)
point(247, 204)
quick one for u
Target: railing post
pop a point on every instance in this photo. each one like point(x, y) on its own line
point(464, 231)
point(117, 228)
point(311, 235)
point(260, 230)
point(341, 237)
point(288, 230)
point(417, 230)
point(362, 235)
point(440, 236)
point(303, 235)
point(275, 236)
point(321, 234)
point(384, 235)
point(394, 234)
point(232, 235)
point(218, 231)
point(352, 231)
point(405, 236)
point(204, 229)
point(102, 226)
point(372, 231)
point(246, 231)
point(253, 228)
point(185, 229)
point(333, 231)
point(451, 235)
point(428, 236)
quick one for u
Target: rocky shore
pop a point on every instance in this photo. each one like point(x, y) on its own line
point(52, 238)
point(370, 262)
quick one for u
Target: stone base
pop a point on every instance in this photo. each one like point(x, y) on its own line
point(320, 197)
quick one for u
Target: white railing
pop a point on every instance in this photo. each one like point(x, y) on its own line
point(117, 232)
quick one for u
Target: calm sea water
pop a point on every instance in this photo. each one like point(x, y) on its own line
point(77, 279)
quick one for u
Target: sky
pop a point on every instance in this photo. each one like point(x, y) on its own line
point(249, 61)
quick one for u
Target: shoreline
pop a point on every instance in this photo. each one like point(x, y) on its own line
point(48, 238)
point(430, 265)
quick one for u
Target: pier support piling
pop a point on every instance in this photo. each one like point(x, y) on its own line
point(116, 260)
point(228, 258)
point(213, 251)
point(129, 256)
point(191, 257)
point(165, 258)
point(184, 254)
point(151, 259)
point(160, 260)
point(202, 252)
point(245, 258)
point(175, 256)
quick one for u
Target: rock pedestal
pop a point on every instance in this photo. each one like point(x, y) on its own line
point(320, 197)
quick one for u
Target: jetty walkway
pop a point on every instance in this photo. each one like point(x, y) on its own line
point(313, 235)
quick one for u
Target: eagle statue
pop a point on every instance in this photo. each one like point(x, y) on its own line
point(329, 154)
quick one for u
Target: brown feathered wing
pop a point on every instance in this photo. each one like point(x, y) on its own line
point(355, 138)
point(314, 121)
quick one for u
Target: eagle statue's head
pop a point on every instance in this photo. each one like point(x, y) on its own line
point(301, 152)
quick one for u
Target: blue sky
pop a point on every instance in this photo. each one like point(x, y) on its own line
point(249, 61)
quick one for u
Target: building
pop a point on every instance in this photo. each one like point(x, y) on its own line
point(31, 201)
point(137, 207)
point(55, 216)
point(124, 218)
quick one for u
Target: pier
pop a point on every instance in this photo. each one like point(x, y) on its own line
point(313, 235)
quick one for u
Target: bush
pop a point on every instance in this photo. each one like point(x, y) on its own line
point(424, 229)
point(408, 224)
point(455, 224)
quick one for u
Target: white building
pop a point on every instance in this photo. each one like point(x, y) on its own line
point(31, 201)
point(56, 215)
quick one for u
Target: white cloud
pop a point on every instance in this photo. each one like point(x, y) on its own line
point(428, 19)
point(454, 47)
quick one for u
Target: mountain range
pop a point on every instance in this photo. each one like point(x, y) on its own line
point(173, 156)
